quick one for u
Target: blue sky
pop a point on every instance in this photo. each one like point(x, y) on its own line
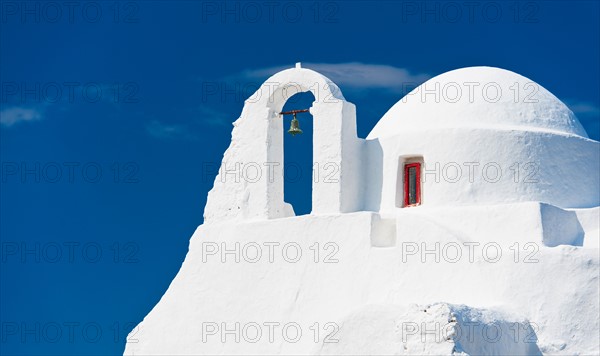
point(110, 113)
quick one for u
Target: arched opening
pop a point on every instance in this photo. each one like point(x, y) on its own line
point(298, 155)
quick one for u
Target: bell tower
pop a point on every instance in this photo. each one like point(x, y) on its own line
point(257, 146)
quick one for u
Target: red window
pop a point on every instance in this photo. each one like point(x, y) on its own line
point(412, 184)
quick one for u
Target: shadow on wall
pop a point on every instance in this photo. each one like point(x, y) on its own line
point(436, 329)
point(374, 175)
point(500, 337)
point(560, 226)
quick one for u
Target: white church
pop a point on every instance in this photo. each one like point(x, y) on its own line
point(465, 223)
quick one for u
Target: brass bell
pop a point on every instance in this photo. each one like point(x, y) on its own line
point(294, 127)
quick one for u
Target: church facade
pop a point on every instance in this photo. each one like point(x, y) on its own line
point(473, 137)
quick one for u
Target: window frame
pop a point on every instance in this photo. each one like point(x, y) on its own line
point(406, 178)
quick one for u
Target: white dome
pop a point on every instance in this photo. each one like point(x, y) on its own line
point(479, 97)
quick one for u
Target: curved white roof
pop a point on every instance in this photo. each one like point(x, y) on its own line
point(478, 97)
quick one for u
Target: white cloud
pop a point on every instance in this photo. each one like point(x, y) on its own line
point(198, 117)
point(354, 75)
point(583, 108)
point(14, 115)
point(163, 131)
point(210, 116)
